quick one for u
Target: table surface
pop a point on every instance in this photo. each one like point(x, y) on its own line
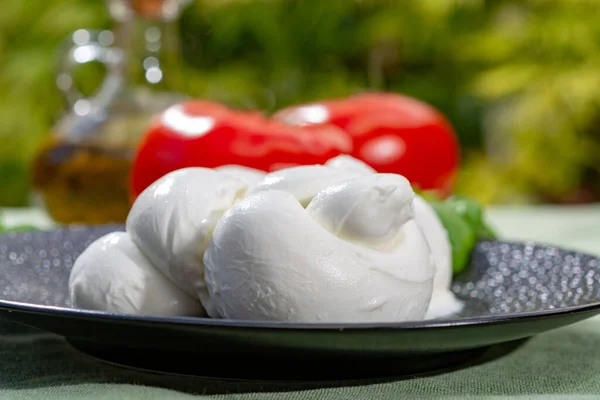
point(564, 363)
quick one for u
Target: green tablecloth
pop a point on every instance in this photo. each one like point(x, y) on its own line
point(564, 363)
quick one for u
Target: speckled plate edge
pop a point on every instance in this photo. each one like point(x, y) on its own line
point(11, 306)
point(505, 318)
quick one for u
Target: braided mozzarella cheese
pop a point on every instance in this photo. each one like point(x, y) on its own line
point(354, 254)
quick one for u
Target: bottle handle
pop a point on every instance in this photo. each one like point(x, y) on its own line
point(81, 47)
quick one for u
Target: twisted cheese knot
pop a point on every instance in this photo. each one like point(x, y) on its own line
point(443, 302)
point(354, 254)
point(365, 210)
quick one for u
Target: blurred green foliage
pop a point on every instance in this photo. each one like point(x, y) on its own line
point(518, 79)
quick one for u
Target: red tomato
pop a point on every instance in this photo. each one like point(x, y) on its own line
point(205, 134)
point(392, 133)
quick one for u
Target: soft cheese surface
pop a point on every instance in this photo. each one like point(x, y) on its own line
point(113, 275)
point(443, 301)
point(271, 259)
point(171, 221)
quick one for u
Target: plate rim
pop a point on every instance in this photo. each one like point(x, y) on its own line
point(490, 320)
point(444, 323)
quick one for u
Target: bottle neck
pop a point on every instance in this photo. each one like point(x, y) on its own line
point(151, 51)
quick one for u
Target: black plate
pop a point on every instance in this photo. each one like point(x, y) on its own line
point(511, 291)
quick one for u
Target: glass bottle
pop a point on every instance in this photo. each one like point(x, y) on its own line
point(81, 174)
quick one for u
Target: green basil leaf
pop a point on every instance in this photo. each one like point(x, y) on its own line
point(461, 234)
point(21, 228)
point(472, 212)
point(464, 220)
point(18, 228)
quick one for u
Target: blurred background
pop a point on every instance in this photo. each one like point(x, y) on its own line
point(518, 79)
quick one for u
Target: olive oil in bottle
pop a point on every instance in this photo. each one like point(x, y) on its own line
point(81, 173)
